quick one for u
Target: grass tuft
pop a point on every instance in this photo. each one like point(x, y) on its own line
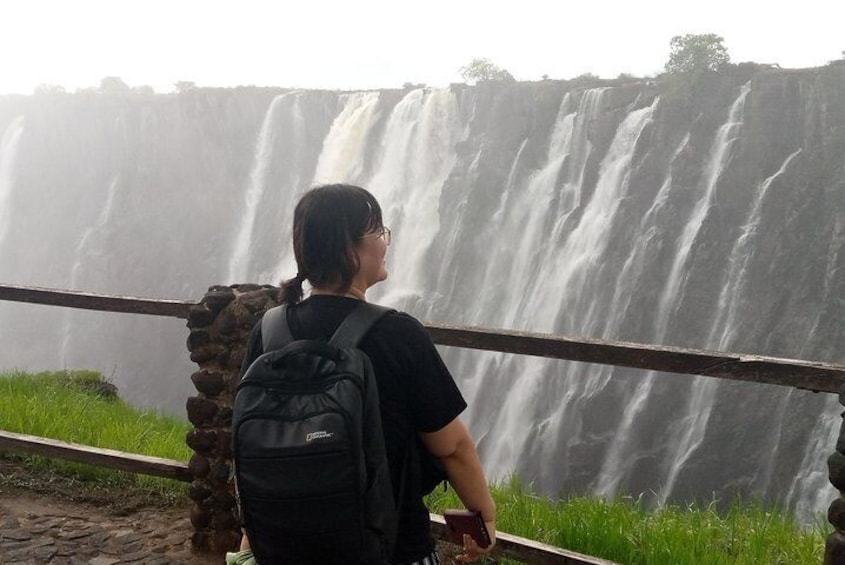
point(625, 531)
point(82, 407)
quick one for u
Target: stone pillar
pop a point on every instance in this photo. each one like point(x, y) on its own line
point(834, 551)
point(220, 325)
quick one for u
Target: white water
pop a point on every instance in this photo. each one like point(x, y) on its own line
point(811, 491)
point(579, 259)
point(415, 157)
point(84, 250)
point(617, 463)
point(522, 209)
point(341, 157)
point(720, 154)
point(566, 278)
point(8, 156)
point(692, 428)
point(555, 267)
point(723, 332)
point(724, 328)
point(240, 259)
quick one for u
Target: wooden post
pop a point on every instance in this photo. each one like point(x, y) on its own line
point(220, 326)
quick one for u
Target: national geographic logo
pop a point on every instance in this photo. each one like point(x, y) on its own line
point(322, 434)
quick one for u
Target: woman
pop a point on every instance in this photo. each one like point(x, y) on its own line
point(340, 245)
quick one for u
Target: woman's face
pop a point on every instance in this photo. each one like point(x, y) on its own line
point(372, 250)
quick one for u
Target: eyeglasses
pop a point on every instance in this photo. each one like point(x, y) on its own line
point(383, 232)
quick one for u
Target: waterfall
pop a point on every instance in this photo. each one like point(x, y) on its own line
point(634, 213)
point(811, 491)
point(340, 159)
point(724, 327)
point(700, 403)
point(617, 461)
point(720, 154)
point(414, 159)
point(81, 256)
point(524, 206)
point(8, 155)
point(528, 211)
point(240, 260)
point(580, 256)
point(566, 277)
point(551, 265)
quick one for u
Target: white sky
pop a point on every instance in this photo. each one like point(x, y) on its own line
point(380, 43)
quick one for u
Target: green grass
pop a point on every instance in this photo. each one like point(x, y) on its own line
point(626, 532)
point(71, 406)
point(81, 407)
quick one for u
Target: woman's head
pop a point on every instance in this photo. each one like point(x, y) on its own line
point(336, 241)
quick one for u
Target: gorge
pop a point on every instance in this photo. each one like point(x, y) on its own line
point(706, 213)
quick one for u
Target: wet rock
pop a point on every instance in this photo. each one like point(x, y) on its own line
point(200, 317)
point(210, 383)
point(216, 300)
point(202, 441)
point(201, 411)
point(198, 466)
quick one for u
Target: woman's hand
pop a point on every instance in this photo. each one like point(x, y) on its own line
point(472, 550)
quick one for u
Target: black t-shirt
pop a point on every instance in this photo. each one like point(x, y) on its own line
point(416, 394)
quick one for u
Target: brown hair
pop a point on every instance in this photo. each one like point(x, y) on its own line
point(327, 222)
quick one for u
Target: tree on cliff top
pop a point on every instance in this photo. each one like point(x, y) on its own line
point(697, 52)
point(113, 85)
point(482, 68)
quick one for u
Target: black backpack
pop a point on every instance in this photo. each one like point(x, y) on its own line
point(311, 470)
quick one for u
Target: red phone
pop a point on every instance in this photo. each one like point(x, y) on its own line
point(460, 522)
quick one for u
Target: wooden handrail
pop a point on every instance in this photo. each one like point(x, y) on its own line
point(110, 458)
point(88, 301)
point(524, 549)
point(818, 377)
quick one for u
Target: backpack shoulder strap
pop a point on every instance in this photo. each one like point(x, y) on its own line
point(356, 325)
point(275, 329)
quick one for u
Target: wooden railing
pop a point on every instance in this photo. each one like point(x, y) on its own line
point(109, 458)
point(819, 377)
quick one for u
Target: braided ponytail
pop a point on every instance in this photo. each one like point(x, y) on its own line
point(291, 292)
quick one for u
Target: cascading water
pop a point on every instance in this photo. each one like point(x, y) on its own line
point(415, 158)
point(87, 245)
point(694, 425)
point(239, 261)
point(616, 463)
point(719, 156)
point(724, 327)
point(340, 158)
point(625, 213)
point(8, 152)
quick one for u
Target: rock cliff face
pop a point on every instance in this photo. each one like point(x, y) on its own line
point(706, 213)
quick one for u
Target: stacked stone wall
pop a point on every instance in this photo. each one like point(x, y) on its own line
point(834, 551)
point(220, 325)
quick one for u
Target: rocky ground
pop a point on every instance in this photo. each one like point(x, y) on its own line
point(50, 519)
point(46, 518)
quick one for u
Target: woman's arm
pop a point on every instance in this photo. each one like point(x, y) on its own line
point(454, 446)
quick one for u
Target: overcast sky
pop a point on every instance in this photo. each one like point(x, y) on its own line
point(375, 43)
